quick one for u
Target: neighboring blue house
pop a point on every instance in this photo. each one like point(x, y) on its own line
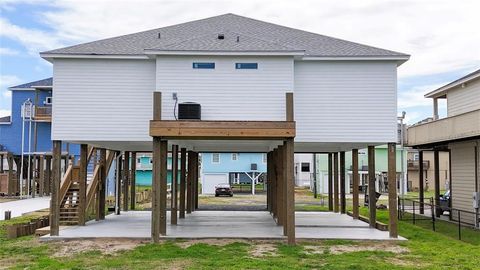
point(233, 168)
point(143, 175)
point(40, 94)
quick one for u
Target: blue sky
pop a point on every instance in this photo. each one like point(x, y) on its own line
point(441, 37)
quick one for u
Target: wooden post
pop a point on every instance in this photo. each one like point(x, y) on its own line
point(335, 183)
point(126, 172)
point(392, 190)
point(118, 183)
point(275, 185)
point(436, 161)
point(183, 174)
point(41, 177)
point(195, 182)
point(11, 184)
point(269, 182)
point(163, 186)
point(330, 182)
point(48, 174)
point(133, 171)
point(156, 186)
point(372, 202)
point(290, 191)
point(189, 182)
point(1, 163)
point(343, 200)
point(280, 193)
point(55, 199)
point(420, 182)
point(355, 184)
point(156, 168)
point(102, 183)
point(173, 196)
point(82, 192)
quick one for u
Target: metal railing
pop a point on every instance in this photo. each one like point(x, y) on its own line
point(42, 111)
point(411, 209)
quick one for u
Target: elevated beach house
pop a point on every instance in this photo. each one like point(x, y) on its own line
point(459, 135)
point(223, 84)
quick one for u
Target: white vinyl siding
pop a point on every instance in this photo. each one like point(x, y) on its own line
point(227, 93)
point(461, 100)
point(102, 100)
point(346, 101)
point(463, 176)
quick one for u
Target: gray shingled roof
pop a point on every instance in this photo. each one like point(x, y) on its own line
point(43, 82)
point(201, 35)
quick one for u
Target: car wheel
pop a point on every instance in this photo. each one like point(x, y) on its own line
point(216, 195)
point(231, 195)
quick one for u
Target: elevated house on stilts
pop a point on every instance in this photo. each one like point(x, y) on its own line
point(222, 84)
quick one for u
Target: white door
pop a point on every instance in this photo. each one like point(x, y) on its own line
point(210, 180)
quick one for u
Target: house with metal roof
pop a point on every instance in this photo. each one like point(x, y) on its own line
point(225, 84)
point(459, 135)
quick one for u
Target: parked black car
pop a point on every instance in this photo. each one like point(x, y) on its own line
point(223, 189)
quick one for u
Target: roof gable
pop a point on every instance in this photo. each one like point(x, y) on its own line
point(47, 82)
point(200, 35)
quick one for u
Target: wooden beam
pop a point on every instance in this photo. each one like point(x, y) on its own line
point(420, 182)
point(183, 180)
point(82, 192)
point(126, 172)
point(102, 183)
point(156, 186)
point(55, 200)
point(330, 182)
point(41, 176)
point(436, 173)
point(355, 184)
point(189, 182)
point(343, 199)
point(174, 189)
point(392, 190)
point(163, 186)
point(372, 202)
point(133, 171)
point(336, 206)
point(289, 105)
point(290, 191)
point(238, 130)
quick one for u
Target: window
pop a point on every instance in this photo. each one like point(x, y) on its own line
point(246, 65)
point(264, 158)
point(215, 158)
point(416, 157)
point(48, 101)
point(197, 65)
point(305, 167)
point(234, 156)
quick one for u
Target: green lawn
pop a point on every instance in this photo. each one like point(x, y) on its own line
point(424, 250)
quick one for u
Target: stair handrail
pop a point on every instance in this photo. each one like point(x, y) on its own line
point(65, 183)
point(92, 187)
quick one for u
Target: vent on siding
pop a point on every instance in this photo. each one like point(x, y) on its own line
point(221, 36)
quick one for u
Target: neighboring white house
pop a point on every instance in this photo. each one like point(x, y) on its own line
point(459, 134)
point(304, 170)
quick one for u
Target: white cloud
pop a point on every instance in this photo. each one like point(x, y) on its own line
point(4, 112)
point(415, 96)
point(8, 51)
point(9, 80)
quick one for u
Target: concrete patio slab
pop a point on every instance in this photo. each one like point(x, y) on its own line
point(225, 224)
point(20, 207)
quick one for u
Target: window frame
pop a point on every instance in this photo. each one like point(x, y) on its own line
point(234, 155)
point(245, 65)
point(203, 65)
point(213, 158)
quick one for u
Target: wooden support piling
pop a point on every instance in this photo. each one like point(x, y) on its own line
point(280, 193)
point(421, 182)
point(275, 185)
point(156, 186)
point(126, 173)
point(392, 190)
point(163, 186)
point(173, 196)
point(189, 182)
point(118, 183)
point(290, 191)
point(48, 174)
point(355, 184)
point(436, 170)
point(195, 181)
point(55, 199)
point(82, 192)
point(330, 182)
point(336, 204)
point(343, 200)
point(183, 180)
point(11, 184)
point(133, 171)
point(41, 177)
point(372, 200)
point(102, 183)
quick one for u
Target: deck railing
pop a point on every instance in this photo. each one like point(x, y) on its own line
point(43, 113)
